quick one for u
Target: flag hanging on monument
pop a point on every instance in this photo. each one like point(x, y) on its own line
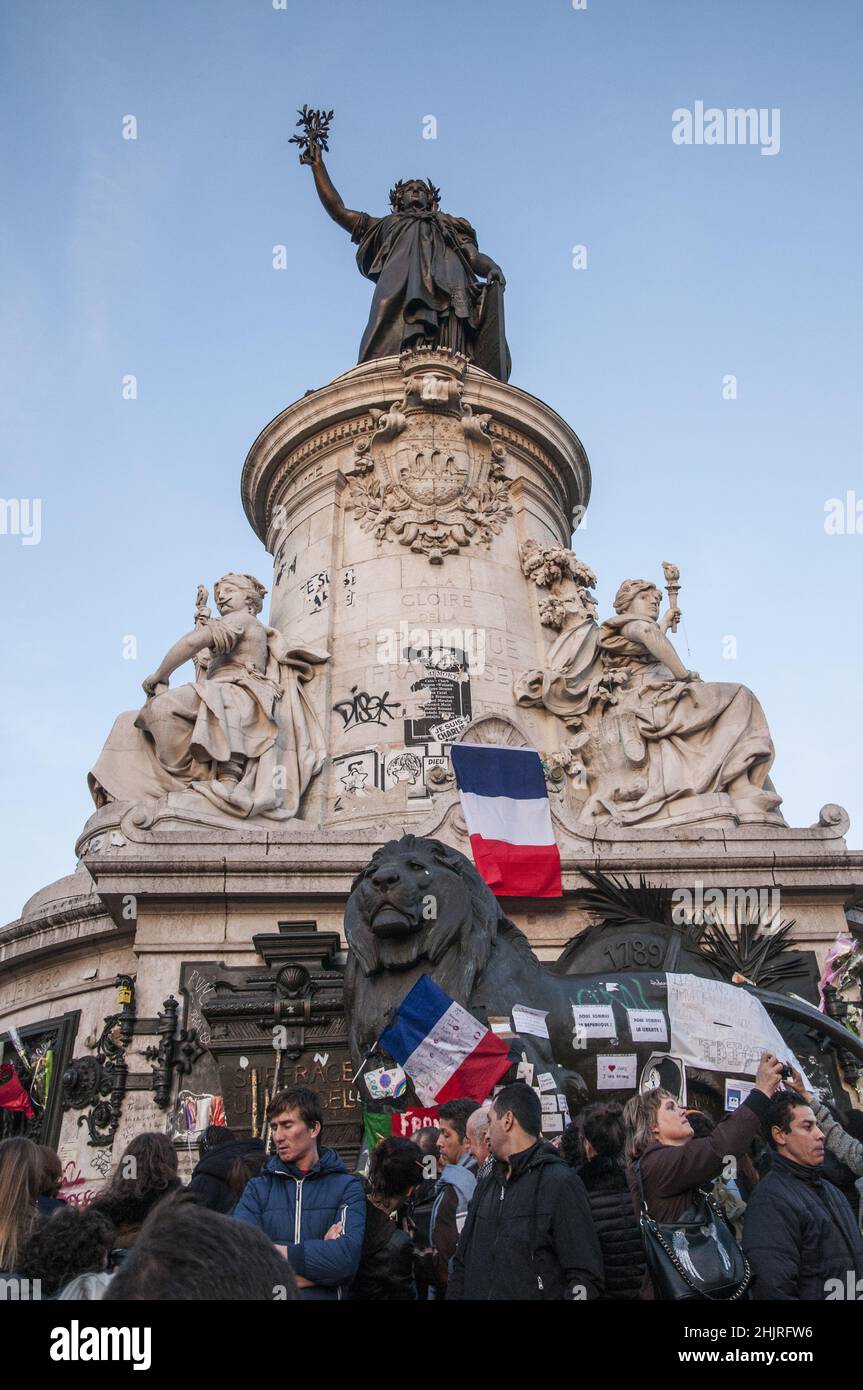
point(445, 1051)
point(505, 804)
point(12, 1093)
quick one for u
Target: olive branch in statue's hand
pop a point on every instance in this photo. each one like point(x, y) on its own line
point(315, 136)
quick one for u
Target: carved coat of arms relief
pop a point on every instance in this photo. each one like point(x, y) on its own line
point(431, 477)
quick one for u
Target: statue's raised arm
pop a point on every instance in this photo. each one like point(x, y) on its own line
point(426, 266)
point(327, 191)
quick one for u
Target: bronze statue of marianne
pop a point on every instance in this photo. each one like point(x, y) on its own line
point(426, 266)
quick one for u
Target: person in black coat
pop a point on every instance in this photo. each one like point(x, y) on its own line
point(604, 1178)
point(386, 1263)
point(799, 1233)
point(225, 1166)
point(529, 1234)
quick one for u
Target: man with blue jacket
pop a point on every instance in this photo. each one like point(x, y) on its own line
point(306, 1201)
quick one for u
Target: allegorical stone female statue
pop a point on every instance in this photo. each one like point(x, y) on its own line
point(425, 264)
point(657, 742)
point(243, 735)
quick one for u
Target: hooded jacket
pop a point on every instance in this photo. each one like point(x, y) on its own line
point(798, 1233)
point(210, 1183)
point(296, 1209)
point(529, 1234)
point(452, 1193)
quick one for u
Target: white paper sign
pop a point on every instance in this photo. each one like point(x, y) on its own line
point(551, 1123)
point(736, 1093)
point(525, 1020)
point(721, 1027)
point(546, 1081)
point(549, 1105)
point(386, 1081)
point(594, 1020)
point(647, 1025)
point(561, 1105)
point(616, 1073)
point(524, 1072)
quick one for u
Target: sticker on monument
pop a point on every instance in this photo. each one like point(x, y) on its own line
point(524, 1072)
point(444, 700)
point(386, 1081)
point(546, 1081)
point(402, 766)
point(594, 1020)
point(647, 1025)
point(562, 1105)
point(615, 1073)
point(525, 1020)
point(736, 1093)
point(552, 1124)
point(661, 1069)
point(449, 732)
point(316, 591)
point(549, 1105)
point(355, 774)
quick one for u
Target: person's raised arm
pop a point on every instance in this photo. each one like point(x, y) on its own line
point(327, 192)
point(843, 1145)
point(674, 1170)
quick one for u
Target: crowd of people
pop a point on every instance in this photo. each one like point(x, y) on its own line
point(478, 1207)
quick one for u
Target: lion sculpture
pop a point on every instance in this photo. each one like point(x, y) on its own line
point(420, 907)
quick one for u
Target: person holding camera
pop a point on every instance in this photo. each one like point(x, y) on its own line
point(668, 1166)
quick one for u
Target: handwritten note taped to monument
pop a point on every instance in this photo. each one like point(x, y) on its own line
point(616, 1073)
point(525, 1020)
point(647, 1025)
point(721, 1027)
point(594, 1020)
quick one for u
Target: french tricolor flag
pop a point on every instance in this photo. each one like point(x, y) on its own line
point(505, 804)
point(446, 1053)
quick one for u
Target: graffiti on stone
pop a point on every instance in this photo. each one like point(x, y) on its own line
point(364, 708)
point(316, 591)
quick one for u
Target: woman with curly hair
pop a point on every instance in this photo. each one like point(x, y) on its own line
point(145, 1174)
point(20, 1176)
point(69, 1242)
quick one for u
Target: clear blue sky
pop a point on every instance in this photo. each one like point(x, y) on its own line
point(154, 257)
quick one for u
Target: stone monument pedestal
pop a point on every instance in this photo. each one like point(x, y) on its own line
point(419, 513)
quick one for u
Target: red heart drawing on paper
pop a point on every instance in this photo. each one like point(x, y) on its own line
point(611, 1066)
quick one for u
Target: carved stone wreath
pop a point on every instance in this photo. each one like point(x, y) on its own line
point(431, 477)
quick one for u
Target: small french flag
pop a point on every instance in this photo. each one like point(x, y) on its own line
point(505, 803)
point(446, 1053)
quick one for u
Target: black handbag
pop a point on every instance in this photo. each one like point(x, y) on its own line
point(696, 1257)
